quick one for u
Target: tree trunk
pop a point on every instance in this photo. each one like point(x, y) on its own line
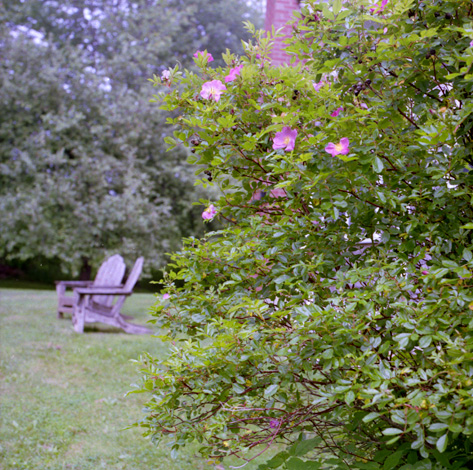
point(85, 270)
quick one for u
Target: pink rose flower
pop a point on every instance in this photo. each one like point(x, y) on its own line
point(286, 139)
point(318, 86)
point(209, 55)
point(166, 296)
point(209, 213)
point(166, 75)
point(212, 90)
point(425, 273)
point(234, 73)
point(337, 112)
point(380, 7)
point(274, 423)
point(471, 43)
point(338, 149)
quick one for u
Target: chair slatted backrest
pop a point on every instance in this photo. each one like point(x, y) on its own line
point(110, 274)
point(129, 284)
point(134, 274)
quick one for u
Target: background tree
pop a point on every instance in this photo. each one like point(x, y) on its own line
point(334, 312)
point(84, 171)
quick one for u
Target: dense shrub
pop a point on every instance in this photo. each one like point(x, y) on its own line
point(334, 311)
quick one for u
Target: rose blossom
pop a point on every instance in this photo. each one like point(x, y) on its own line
point(166, 296)
point(234, 73)
point(212, 90)
point(337, 112)
point(381, 7)
point(319, 85)
point(338, 149)
point(286, 139)
point(274, 423)
point(209, 213)
point(202, 53)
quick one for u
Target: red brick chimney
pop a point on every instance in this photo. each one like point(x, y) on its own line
point(278, 13)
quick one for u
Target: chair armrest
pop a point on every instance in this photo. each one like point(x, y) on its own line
point(74, 283)
point(102, 290)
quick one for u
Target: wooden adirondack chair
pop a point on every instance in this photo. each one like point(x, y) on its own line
point(110, 273)
point(90, 306)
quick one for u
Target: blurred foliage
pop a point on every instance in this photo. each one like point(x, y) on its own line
point(334, 312)
point(83, 170)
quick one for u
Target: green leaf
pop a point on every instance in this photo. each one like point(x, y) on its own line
point(467, 255)
point(438, 273)
point(378, 165)
point(238, 389)
point(271, 390)
point(297, 464)
point(455, 427)
point(336, 6)
point(393, 460)
point(393, 440)
point(441, 443)
point(276, 461)
point(425, 341)
point(302, 447)
point(370, 417)
point(349, 398)
point(438, 427)
point(392, 431)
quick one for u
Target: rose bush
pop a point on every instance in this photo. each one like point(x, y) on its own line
point(337, 316)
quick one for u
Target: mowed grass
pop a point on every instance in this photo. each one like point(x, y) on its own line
point(62, 394)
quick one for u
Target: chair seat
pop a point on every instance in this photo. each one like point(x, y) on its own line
point(102, 303)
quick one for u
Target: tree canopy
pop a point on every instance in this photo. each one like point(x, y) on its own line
point(333, 313)
point(84, 172)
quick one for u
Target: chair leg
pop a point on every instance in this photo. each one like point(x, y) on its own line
point(132, 329)
point(61, 292)
point(78, 316)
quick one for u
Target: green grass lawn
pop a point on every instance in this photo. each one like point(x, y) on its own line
point(62, 403)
